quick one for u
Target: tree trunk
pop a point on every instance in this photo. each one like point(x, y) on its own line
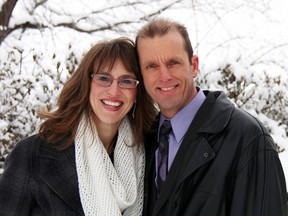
point(5, 15)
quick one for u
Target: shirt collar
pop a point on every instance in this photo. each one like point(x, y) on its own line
point(182, 120)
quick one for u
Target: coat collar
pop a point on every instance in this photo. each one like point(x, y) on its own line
point(60, 174)
point(220, 110)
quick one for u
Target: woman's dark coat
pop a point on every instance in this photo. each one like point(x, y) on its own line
point(39, 180)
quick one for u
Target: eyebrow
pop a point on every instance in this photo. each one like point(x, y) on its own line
point(130, 76)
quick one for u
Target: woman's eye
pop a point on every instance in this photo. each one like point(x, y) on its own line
point(126, 81)
point(104, 78)
point(152, 66)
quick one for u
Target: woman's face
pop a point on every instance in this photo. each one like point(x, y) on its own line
point(111, 103)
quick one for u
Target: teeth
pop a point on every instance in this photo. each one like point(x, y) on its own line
point(110, 103)
point(167, 89)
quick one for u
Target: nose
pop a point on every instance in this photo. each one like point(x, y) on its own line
point(114, 89)
point(165, 74)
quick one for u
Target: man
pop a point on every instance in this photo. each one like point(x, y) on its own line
point(220, 160)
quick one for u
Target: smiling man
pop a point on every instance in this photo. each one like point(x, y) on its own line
point(168, 72)
point(209, 158)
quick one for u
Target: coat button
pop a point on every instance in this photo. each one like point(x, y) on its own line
point(206, 154)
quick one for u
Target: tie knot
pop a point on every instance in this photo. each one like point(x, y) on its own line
point(165, 128)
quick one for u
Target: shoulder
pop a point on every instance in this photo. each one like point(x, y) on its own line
point(26, 147)
point(239, 125)
point(32, 155)
point(237, 118)
point(248, 123)
point(20, 160)
point(250, 132)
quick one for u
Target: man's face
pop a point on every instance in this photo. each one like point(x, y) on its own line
point(167, 73)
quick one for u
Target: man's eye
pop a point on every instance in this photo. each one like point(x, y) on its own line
point(171, 63)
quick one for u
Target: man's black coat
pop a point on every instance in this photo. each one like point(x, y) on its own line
point(226, 165)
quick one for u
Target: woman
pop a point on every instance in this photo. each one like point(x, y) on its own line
point(87, 158)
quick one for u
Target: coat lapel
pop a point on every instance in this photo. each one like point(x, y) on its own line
point(61, 176)
point(151, 146)
point(186, 162)
point(202, 154)
point(149, 180)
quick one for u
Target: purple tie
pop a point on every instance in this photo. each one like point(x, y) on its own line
point(163, 153)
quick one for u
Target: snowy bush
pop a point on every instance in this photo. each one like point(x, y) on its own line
point(25, 92)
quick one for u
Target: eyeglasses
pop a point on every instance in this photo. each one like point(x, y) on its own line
point(105, 80)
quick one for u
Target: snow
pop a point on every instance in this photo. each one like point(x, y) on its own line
point(283, 157)
point(250, 35)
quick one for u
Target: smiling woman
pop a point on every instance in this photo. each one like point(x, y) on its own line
point(88, 157)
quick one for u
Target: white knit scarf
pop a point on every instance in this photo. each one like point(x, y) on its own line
point(107, 188)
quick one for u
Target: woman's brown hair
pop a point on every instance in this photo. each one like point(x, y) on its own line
point(60, 126)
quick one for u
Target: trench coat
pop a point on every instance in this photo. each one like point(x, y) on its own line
point(226, 165)
point(39, 180)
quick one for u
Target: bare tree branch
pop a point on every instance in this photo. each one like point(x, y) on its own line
point(8, 7)
point(6, 12)
point(5, 15)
